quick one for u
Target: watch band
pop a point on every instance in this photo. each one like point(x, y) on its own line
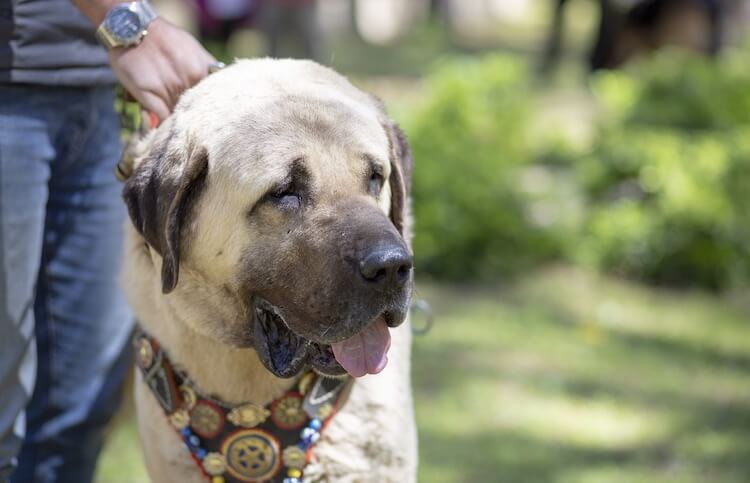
point(106, 38)
point(146, 14)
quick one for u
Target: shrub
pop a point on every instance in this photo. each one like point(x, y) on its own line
point(661, 194)
point(471, 151)
point(668, 179)
point(679, 89)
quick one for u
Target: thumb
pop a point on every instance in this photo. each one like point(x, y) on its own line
point(152, 102)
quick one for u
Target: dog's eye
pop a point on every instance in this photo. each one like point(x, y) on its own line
point(375, 184)
point(286, 200)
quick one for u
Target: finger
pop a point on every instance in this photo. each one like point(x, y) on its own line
point(179, 62)
point(207, 59)
point(171, 82)
point(157, 105)
point(197, 66)
point(197, 71)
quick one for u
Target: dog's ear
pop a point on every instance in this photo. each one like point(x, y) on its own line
point(400, 178)
point(159, 196)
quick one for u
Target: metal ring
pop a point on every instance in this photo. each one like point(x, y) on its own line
point(215, 67)
point(429, 317)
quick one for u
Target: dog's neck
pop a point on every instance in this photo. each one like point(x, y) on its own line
point(234, 375)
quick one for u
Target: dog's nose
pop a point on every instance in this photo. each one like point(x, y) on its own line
point(386, 265)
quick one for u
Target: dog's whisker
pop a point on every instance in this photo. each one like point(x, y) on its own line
point(326, 330)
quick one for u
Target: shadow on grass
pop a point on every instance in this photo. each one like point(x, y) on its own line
point(501, 455)
point(695, 392)
point(511, 457)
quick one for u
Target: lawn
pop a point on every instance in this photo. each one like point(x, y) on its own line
point(567, 377)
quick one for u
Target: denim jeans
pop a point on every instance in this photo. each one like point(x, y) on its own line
point(64, 324)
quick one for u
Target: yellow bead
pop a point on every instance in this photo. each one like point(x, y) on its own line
point(294, 473)
point(217, 479)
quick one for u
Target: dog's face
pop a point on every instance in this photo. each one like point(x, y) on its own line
point(277, 190)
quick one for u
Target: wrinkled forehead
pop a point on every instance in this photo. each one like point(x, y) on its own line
point(264, 140)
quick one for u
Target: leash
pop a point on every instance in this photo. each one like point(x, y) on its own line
point(135, 123)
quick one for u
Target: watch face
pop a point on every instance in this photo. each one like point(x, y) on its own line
point(124, 24)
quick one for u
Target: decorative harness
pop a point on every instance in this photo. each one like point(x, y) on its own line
point(241, 442)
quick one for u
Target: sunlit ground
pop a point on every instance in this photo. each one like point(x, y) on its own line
point(569, 377)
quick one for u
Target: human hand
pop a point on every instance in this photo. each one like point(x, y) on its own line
point(157, 71)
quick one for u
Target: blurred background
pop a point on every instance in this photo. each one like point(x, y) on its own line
point(581, 193)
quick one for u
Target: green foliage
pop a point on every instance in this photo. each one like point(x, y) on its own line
point(660, 196)
point(681, 90)
point(469, 140)
point(668, 179)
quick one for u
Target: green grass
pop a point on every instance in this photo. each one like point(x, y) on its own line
point(569, 377)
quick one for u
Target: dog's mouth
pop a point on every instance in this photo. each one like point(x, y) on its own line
point(285, 353)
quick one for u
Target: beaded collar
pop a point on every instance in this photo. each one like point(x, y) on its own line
point(241, 442)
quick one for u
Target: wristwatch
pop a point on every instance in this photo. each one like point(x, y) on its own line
point(125, 24)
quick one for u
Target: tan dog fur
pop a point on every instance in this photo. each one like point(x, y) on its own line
point(373, 438)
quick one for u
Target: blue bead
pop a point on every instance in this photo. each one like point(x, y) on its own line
point(200, 454)
point(315, 424)
point(291, 480)
point(303, 444)
point(309, 442)
point(185, 432)
point(308, 433)
point(315, 437)
point(195, 440)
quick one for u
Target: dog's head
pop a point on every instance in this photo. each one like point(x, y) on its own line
point(275, 198)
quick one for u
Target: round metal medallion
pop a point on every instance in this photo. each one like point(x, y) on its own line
point(251, 455)
point(325, 411)
point(248, 415)
point(179, 418)
point(294, 457)
point(145, 355)
point(215, 464)
point(206, 419)
point(188, 397)
point(288, 413)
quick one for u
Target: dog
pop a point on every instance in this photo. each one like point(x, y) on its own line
point(269, 236)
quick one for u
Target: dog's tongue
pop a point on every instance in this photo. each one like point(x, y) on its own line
point(365, 352)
